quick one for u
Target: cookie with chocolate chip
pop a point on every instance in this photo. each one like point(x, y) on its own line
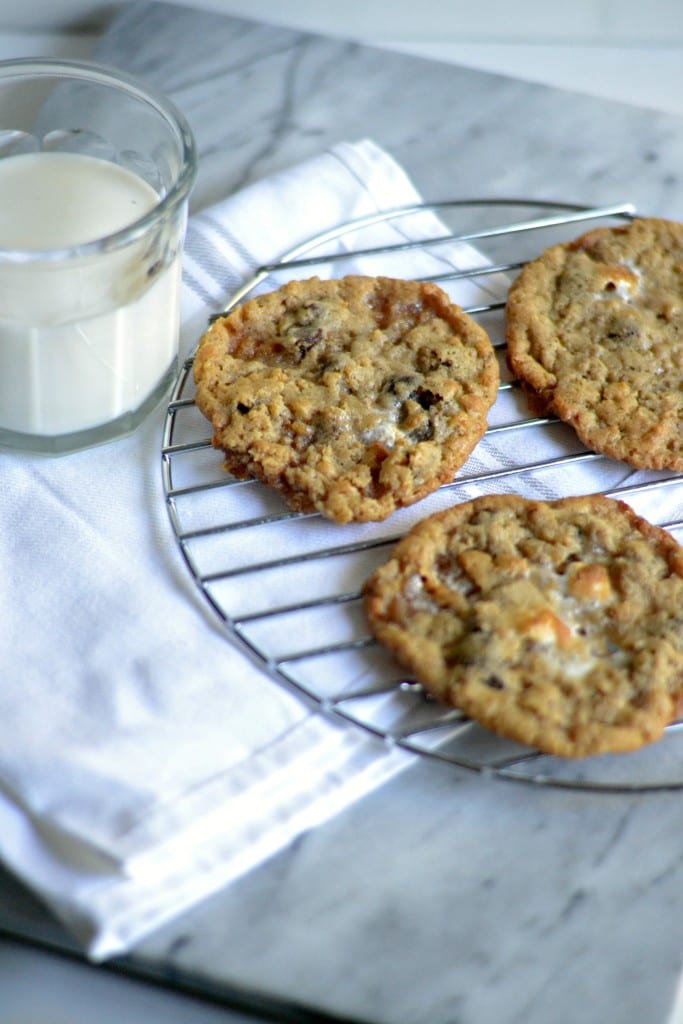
point(351, 397)
point(595, 336)
point(556, 624)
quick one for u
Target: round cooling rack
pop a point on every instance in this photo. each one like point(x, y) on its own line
point(286, 587)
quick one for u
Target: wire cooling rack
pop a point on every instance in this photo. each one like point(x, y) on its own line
point(286, 587)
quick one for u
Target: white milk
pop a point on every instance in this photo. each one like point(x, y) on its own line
point(86, 341)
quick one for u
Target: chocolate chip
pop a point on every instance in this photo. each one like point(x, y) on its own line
point(305, 342)
point(424, 397)
point(241, 407)
point(495, 683)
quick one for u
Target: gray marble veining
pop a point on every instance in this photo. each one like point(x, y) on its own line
point(444, 898)
point(260, 98)
point(459, 901)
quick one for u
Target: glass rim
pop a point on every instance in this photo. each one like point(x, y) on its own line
point(107, 75)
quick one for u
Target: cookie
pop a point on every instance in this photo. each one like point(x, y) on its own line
point(556, 624)
point(351, 397)
point(595, 336)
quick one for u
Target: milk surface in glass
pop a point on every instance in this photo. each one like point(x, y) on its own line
point(84, 343)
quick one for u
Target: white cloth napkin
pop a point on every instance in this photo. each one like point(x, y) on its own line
point(144, 762)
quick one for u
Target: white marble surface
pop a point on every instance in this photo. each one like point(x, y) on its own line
point(459, 132)
point(633, 54)
point(444, 898)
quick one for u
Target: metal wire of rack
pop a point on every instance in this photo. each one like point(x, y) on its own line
point(286, 587)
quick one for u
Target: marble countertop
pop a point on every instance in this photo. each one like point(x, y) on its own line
point(443, 898)
point(260, 98)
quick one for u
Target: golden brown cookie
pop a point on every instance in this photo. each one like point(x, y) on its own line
point(595, 335)
point(556, 624)
point(352, 397)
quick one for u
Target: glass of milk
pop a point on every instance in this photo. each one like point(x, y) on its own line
point(95, 173)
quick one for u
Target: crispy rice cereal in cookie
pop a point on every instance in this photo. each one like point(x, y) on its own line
point(352, 397)
point(595, 335)
point(556, 624)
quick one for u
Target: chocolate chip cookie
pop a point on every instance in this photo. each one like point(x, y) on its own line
point(595, 335)
point(352, 397)
point(556, 624)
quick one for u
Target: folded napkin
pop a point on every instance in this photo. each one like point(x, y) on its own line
point(144, 761)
